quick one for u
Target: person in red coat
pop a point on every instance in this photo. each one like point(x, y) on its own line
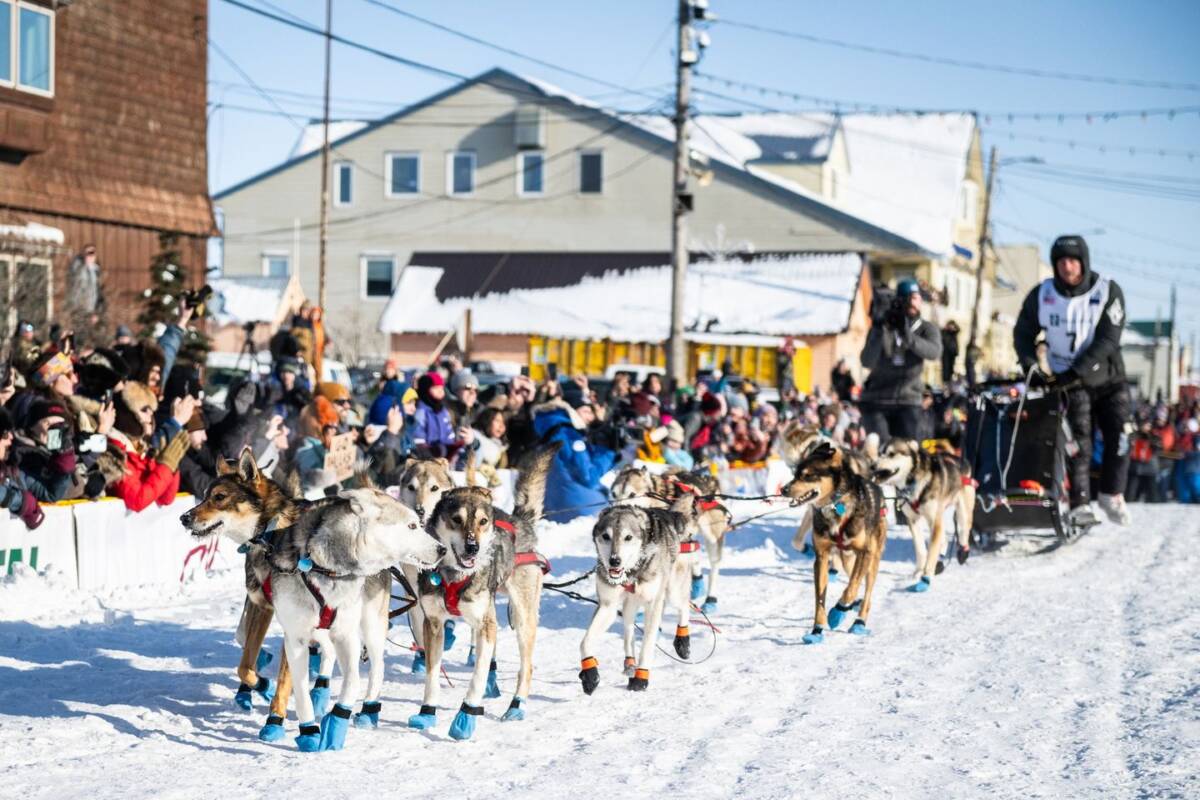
point(146, 478)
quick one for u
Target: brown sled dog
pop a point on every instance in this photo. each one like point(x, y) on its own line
point(930, 485)
point(848, 517)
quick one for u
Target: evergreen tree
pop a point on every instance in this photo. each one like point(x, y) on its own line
point(169, 280)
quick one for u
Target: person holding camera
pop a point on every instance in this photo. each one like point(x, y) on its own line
point(898, 345)
point(14, 496)
point(1082, 315)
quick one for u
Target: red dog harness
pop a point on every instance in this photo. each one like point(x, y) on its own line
point(690, 546)
point(453, 589)
point(687, 488)
point(327, 614)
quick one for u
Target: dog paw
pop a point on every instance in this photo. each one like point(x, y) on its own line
point(464, 722)
point(683, 643)
point(710, 605)
point(640, 680)
point(450, 637)
point(492, 690)
point(962, 554)
point(859, 628)
point(309, 740)
point(243, 699)
point(427, 718)
point(368, 717)
point(264, 658)
point(922, 585)
point(697, 587)
point(266, 689)
point(589, 676)
point(334, 726)
point(515, 713)
point(816, 636)
point(418, 665)
point(320, 696)
point(272, 731)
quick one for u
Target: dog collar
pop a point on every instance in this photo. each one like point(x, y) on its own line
point(265, 539)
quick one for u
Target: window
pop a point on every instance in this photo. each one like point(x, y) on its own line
point(27, 47)
point(343, 183)
point(460, 173)
point(591, 173)
point(276, 265)
point(530, 174)
point(379, 273)
point(968, 201)
point(403, 174)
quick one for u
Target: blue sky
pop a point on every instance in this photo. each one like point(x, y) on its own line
point(1144, 240)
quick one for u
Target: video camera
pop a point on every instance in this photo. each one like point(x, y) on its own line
point(197, 298)
point(887, 308)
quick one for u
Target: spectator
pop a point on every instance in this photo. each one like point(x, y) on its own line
point(433, 430)
point(949, 351)
point(573, 485)
point(44, 450)
point(841, 381)
point(13, 495)
point(144, 478)
point(491, 438)
point(465, 405)
point(318, 426)
point(704, 434)
point(198, 468)
point(389, 441)
point(85, 292)
point(674, 452)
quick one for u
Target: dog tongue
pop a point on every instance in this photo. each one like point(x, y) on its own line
point(467, 562)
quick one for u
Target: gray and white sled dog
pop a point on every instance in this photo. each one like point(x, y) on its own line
point(644, 558)
point(929, 484)
point(488, 551)
point(329, 580)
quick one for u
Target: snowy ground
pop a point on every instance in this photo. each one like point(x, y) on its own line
point(1073, 674)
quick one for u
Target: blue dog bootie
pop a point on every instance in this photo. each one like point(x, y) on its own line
point(320, 696)
point(859, 628)
point(471, 656)
point(272, 730)
point(242, 697)
point(463, 726)
point(697, 587)
point(492, 690)
point(309, 740)
point(426, 718)
point(263, 660)
point(369, 716)
point(515, 713)
point(710, 605)
point(839, 612)
point(922, 585)
point(334, 726)
point(314, 662)
point(418, 665)
point(450, 637)
point(815, 637)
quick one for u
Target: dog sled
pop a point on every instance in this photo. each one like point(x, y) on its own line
point(1017, 444)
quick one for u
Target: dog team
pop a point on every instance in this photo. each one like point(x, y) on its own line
point(325, 569)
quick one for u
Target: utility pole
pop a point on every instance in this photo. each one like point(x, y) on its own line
point(323, 246)
point(972, 346)
point(1171, 365)
point(681, 199)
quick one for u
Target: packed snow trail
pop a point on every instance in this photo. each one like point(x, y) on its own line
point(1071, 674)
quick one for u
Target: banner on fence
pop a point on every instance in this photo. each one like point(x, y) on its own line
point(50, 547)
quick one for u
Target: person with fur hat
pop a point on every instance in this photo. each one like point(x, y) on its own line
point(145, 476)
point(1082, 315)
point(433, 429)
point(318, 426)
point(14, 495)
point(573, 486)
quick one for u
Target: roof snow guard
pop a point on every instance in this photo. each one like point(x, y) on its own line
point(797, 296)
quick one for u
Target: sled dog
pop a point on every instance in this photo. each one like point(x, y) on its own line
point(487, 551)
point(327, 578)
point(643, 559)
point(929, 485)
point(848, 518)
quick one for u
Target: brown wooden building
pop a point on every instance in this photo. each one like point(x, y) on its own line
point(102, 136)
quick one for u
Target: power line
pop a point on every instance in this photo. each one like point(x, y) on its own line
point(421, 123)
point(1059, 116)
point(965, 63)
point(500, 48)
point(1140, 149)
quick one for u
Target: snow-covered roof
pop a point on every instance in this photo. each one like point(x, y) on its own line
point(781, 138)
point(245, 299)
point(32, 233)
point(796, 296)
point(313, 134)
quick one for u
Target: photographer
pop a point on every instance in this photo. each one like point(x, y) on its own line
point(1082, 315)
point(13, 494)
point(898, 345)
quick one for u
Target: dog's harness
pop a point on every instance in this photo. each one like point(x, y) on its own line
point(689, 546)
point(687, 488)
point(452, 590)
point(266, 539)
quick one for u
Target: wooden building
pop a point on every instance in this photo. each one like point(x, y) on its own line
point(103, 137)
